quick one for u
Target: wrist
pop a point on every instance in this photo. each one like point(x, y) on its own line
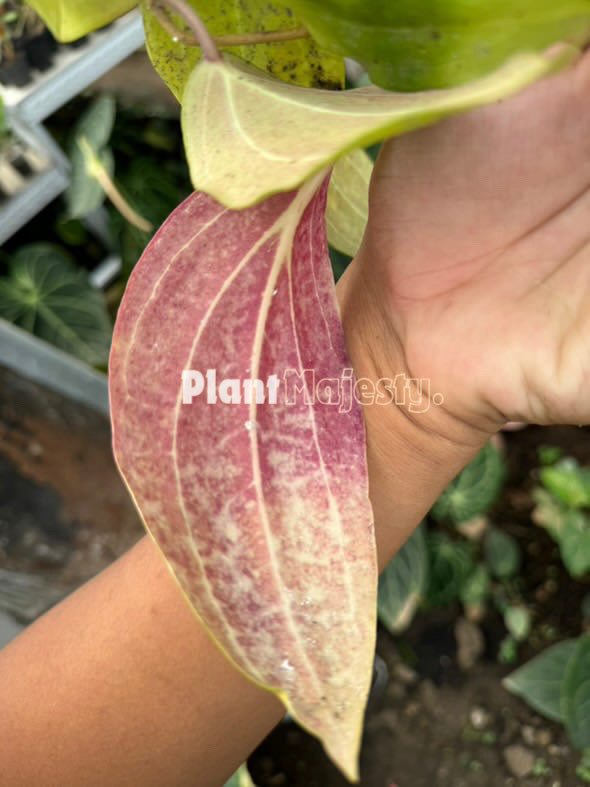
point(414, 446)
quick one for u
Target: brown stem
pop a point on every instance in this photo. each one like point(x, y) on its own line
point(239, 39)
point(195, 23)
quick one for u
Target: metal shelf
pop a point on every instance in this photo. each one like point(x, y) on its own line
point(74, 69)
point(41, 187)
point(36, 360)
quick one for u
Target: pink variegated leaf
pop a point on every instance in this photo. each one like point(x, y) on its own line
point(261, 509)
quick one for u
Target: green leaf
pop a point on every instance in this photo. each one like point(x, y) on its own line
point(575, 694)
point(299, 62)
point(96, 124)
point(248, 136)
point(476, 587)
point(403, 583)
point(502, 554)
point(241, 778)
point(474, 490)
point(84, 193)
point(91, 135)
point(48, 296)
point(518, 622)
point(348, 202)
point(549, 454)
point(451, 562)
point(72, 19)
point(549, 513)
point(411, 45)
point(574, 543)
point(539, 681)
point(568, 482)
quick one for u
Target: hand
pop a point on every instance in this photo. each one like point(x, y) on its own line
point(475, 268)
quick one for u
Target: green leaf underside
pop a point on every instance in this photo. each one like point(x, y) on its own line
point(299, 62)
point(72, 19)
point(231, 115)
point(575, 694)
point(403, 583)
point(46, 295)
point(348, 202)
point(539, 681)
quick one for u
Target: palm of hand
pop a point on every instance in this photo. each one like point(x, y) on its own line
point(480, 230)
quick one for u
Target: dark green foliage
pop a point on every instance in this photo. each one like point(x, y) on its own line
point(563, 509)
point(502, 554)
point(451, 563)
point(45, 293)
point(403, 584)
point(474, 490)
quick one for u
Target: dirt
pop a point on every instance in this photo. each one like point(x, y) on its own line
point(439, 726)
point(65, 514)
point(64, 511)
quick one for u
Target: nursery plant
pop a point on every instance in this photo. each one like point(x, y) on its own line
point(261, 506)
point(555, 683)
point(563, 509)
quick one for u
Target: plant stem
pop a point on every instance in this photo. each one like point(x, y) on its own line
point(239, 39)
point(98, 171)
point(195, 23)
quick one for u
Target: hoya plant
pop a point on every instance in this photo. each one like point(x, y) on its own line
point(556, 684)
point(563, 509)
point(259, 502)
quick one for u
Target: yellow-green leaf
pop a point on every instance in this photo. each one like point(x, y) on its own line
point(248, 136)
point(72, 19)
point(299, 62)
point(348, 202)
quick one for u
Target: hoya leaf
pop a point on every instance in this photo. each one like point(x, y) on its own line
point(474, 490)
point(410, 45)
point(72, 19)
point(575, 694)
point(84, 193)
point(96, 124)
point(476, 587)
point(260, 508)
point(550, 513)
point(47, 295)
point(539, 681)
point(568, 482)
point(502, 553)
point(518, 622)
point(451, 563)
point(348, 201)
point(574, 543)
point(89, 139)
point(232, 115)
point(299, 62)
point(403, 583)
